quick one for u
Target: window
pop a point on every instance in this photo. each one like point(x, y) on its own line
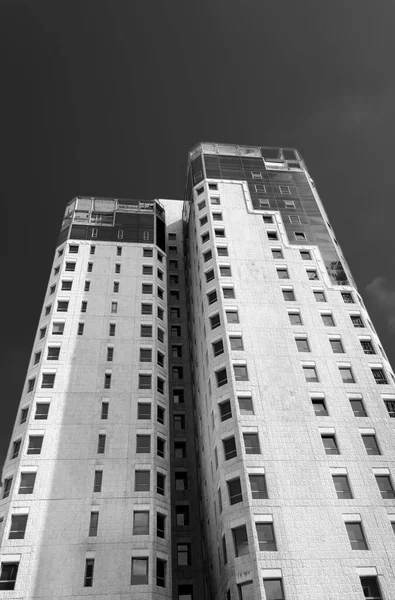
point(147, 252)
point(70, 266)
point(267, 219)
point(98, 480)
point(385, 486)
point(219, 233)
point(390, 406)
point(48, 309)
point(143, 411)
point(35, 444)
point(299, 236)
point(282, 274)
point(218, 348)
point(274, 589)
point(251, 443)
point(256, 174)
point(342, 487)
point(147, 288)
point(337, 346)
point(240, 540)
point(356, 320)
point(284, 189)
point(225, 410)
point(356, 536)
point(95, 232)
point(141, 522)
point(143, 444)
point(347, 297)
point(177, 373)
point(225, 271)
point(15, 449)
point(182, 515)
point(217, 216)
point(42, 332)
point(215, 200)
point(272, 235)
point(367, 347)
point(116, 286)
point(119, 250)
point(147, 269)
point(73, 249)
point(80, 330)
point(221, 377)
point(18, 527)
point(139, 571)
point(90, 267)
point(160, 384)
point(144, 382)
point(175, 331)
point(145, 355)
point(327, 319)
point(7, 487)
point(160, 525)
point(161, 334)
point(212, 186)
point(84, 306)
point(160, 484)
point(179, 421)
point(101, 444)
point(110, 353)
point(93, 524)
point(87, 286)
point(258, 487)
point(371, 445)
point(180, 450)
point(379, 376)
point(234, 490)
point(42, 410)
point(114, 307)
point(178, 396)
point(346, 374)
point(27, 483)
point(160, 447)
point(205, 237)
point(305, 254)
point(160, 313)
point(212, 297)
point(330, 444)
point(146, 331)
point(263, 202)
point(160, 572)
point(207, 255)
point(236, 342)
point(63, 306)
point(24, 413)
point(240, 372)
point(57, 328)
point(222, 251)
point(245, 405)
point(111, 332)
point(289, 295)
point(371, 588)
point(173, 264)
point(310, 374)
point(209, 275)
point(30, 384)
point(9, 571)
point(295, 318)
point(229, 448)
point(183, 554)
point(319, 296)
point(160, 358)
point(302, 344)
point(160, 415)
point(319, 407)
point(142, 481)
point(266, 539)
point(225, 554)
point(277, 253)
point(52, 289)
point(107, 381)
point(312, 274)
point(215, 321)
point(358, 407)
point(232, 316)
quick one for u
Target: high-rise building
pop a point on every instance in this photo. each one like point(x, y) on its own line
point(208, 411)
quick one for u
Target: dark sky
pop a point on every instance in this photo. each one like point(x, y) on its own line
point(104, 97)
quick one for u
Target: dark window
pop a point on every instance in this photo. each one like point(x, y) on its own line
point(371, 444)
point(356, 536)
point(24, 413)
point(101, 444)
point(160, 385)
point(160, 484)
point(225, 554)
point(87, 286)
point(107, 381)
point(390, 406)
point(178, 396)
point(147, 288)
point(245, 405)
point(319, 296)
point(179, 421)
point(73, 249)
point(160, 359)
point(182, 515)
point(7, 487)
point(141, 522)
point(236, 343)
point(220, 233)
point(299, 235)
point(160, 525)
point(277, 253)
point(330, 444)
point(289, 295)
point(119, 250)
point(212, 297)
point(160, 313)
point(229, 448)
point(371, 588)
point(302, 344)
point(160, 415)
point(337, 346)
point(218, 348)
point(232, 316)
point(215, 321)
point(89, 567)
point(305, 254)
point(234, 490)
point(93, 524)
point(357, 321)
point(84, 306)
point(240, 540)
point(274, 589)
point(145, 355)
point(90, 267)
point(379, 376)
point(207, 255)
point(42, 410)
point(342, 487)
point(146, 331)
point(147, 252)
point(80, 330)
point(367, 347)
point(117, 268)
point(266, 539)
point(225, 410)
point(177, 373)
point(180, 450)
point(143, 411)
point(139, 571)
point(143, 444)
point(310, 374)
point(312, 274)
point(161, 334)
point(8, 575)
point(147, 269)
point(222, 251)
point(57, 328)
point(70, 266)
point(30, 384)
point(110, 354)
point(205, 237)
point(160, 447)
point(18, 527)
point(183, 554)
point(63, 305)
point(146, 309)
point(43, 331)
point(295, 318)
point(160, 572)
point(347, 297)
point(282, 274)
point(209, 275)
point(358, 407)
point(346, 374)
point(251, 443)
point(15, 449)
point(144, 382)
point(222, 377)
point(27, 483)
point(327, 319)
point(319, 407)
point(111, 332)
point(142, 481)
point(225, 271)
point(258, 487)
point(98, 480)
point(35, 444)
point(385, 486)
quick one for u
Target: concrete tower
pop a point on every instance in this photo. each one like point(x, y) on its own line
point(207, 409)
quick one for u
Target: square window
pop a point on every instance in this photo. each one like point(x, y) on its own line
point(371, 445)
point(347, 297)
point(207, 255)
point(215, 321)
point(371, 588)
point(230, 450)
point(274, 589)
point(42, 410)
point(385, 486)
point(327, 319)
point(277, 253)
point(66, 286)
point(310, 374)
point(346, 374)
point(302, 344)
point(225, 271)
point(147, 252)
point(63, 305)
point(147, 269)
point(222, 251)
point(358, 407)
point(48, 380)
point(367, 347)
point(356, 320)
point(139, 571)
point(300, 236)
point(330, 444)
point(142, 481)
point(305, 255)
point(356, 536)
point(319, 296)
point(295, 318)
point(232, 316)
point(245, 405)
point(240, 540)
point(219, 233)
point(145, 382)
point(266, 539)
point(282, 274)
point(143, 444)
point(203, 221)
point(342, 487)
point(205, 237)
point(225, 410)
point(69, 266)
point(319, 407)
point(246, 591)
point(312, 274)
point(236, 342)
point(143, 411)
point(289, 295)
point(379, 376)
point(240, 372)
point(234, 491)
point(146, 331)
point(27, 483)
point(57, 328)
point(35, 444)
point(267, 219)
point(180, 450)
point(272, 235)
point(209, 275)
point(147, 288)
point(53, 353)
point(178, 396)
point(251, 443)
point(337, 346)
point(258, 487)
point(9, 571)
point(201, 205)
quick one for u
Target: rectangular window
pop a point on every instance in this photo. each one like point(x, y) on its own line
point(358, 407)
point(142, 481)
point(147, 288)
point(9, 571)
point(143, 444)
point(371, 588)
point(327, 319)
point(267, 219)
point(356, 320)
point(347, 297)
point(229, 448)
point(104, 410)
point(209, 275)
point(346, 374)
point(107, 381)
point(182, 515)
point(141, 522)
point(337, 346)
point(379, 376)
point(178, 396)
point(219, 233)
point(80, 330)
point(288, 295)
point(207, 255)
point(310, 374)
point(225, 410)
point(161, 334)
point(146, 331)
point(295, 318)
point(180, 450)
point(251, 443)
point(35, 444)
point(277, 253)
point(356, 536)
point(300, 236)
point(145, 355)
point(263, 202)
point(27, 483)
point(312, 274)
point(236, 342)
point(274, 589)
point(319, 296)
point(87, 286)
point(342, 487)
point(24, 413)
point(245, 405)
point(266, 539)
point(70, 266)
point(212, 297)
point(160, 484)
point(101, 444)
point(160, 572)
point(147, 269)
point(225, 271)
point(272, 235)
point(215, 321)
point(139, 571)
point(390, 406)
point(73, 249)
point(240, 540)
point(385, 486)
point(89, 567)
point(330, 444)
point(319, 407)
point(222, 251)
point(258, 487)
point(52, 289)
point(15, 449)
point(30, 384)
point(18, 527)
point(203, 221)
point(84, 306)
point(93, 524)
point(160, 525)
point(116, 286)
point(371, 444)
point(302, 344)
point(234, 490)
point(144, 382)
point(98, 480)
point(42, 410)
point(57, 328)
point(282, 274)
point(143, 411)
point(117, 267)
point(147, 252)
point(218, 348)
point(42, 332)
point(305, 255)
point(221, 377)
point(90, 267)
point(111, 331)
point(367, 347)
point(179, 422)
point(63, 305)
point(183, 554)
point(119, 250)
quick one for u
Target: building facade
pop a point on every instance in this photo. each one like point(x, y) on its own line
point(208, 410)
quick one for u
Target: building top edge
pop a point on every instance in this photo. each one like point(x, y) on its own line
point(268, 152)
